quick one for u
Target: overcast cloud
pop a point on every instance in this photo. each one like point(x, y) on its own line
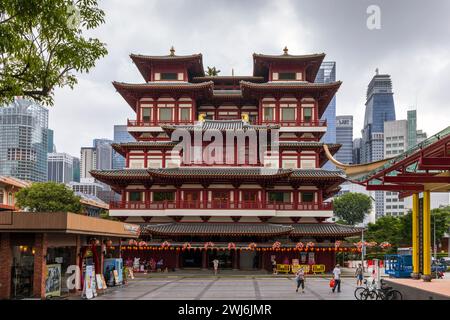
point(413, 45)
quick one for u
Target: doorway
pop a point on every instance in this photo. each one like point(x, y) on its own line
point(191, 259)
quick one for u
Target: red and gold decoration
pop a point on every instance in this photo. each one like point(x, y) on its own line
point(252, 246)
point(208, 244)
point(309, 245)
point(132, 242)
point(165, 244)
point(299, 245)
point(337, 244)
point(231, 245)
point(142, 243)
point(385, 245)
point(186, 245)
point(276, 245)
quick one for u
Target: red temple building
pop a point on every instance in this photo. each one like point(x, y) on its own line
point(222, 205)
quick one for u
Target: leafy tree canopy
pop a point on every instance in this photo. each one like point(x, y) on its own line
point(352, 207)
point(42, 46)
point(48, 197)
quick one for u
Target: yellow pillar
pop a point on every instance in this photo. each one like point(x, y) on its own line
point(426, 237)
point(415, 236)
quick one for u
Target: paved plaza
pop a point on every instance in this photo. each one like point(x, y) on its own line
point(232, 288)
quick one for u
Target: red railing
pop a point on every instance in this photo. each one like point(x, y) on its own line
point(299, 123)
point(218, 204)
point(140, 123)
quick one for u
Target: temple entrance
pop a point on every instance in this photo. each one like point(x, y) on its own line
point(248, 260)
point(225, 259)
point(191, 259)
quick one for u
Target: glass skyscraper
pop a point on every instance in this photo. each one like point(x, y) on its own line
point(344, 136)
point(412, 128)
point(379, 109)
point(24, 140)
point(60, 167)
point(120, 135)
point(327, 73)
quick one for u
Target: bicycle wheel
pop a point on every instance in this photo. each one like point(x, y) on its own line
point(359, 293)
point(369, 295)
point(394, 295)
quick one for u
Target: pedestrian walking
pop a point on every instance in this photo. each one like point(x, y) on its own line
point(300, 278)
point(216, 266)
point(274, 266)
point(359, 273)
point(337, 278)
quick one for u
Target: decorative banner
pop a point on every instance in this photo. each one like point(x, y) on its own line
point(132, 242)
point(276, 245)
point(89, 282)
point(252, 246)
point(53, 281)
point(310, 245)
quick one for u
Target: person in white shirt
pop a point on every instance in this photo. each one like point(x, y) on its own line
point(337, 278)
point(216, 266)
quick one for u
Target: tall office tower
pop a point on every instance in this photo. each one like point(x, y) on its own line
point(396, 137)
point(50, 141)
point(121, 135)
point(344, 136)
point(357, 151)
point(23, 140)
point(327, 74)
point(379, 108)
point(412, 128)
point(88, 162)
point(104, 153)
point(421, 136)
point(60, 167)
point(76, 169)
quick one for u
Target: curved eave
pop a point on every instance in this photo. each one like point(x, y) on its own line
point(224, 176)
point(118, 177)
point(145, 63)
point(123, 148)
point(133, 92)
point(314, 61)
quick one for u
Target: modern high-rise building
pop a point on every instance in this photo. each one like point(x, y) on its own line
point(344, 136)
point(357, 151)
point(23, 140)
point(379, 108)
point(103, 151)
point(50, 144)
point(327, 74)
point(76, 169)
point(420, 136)
point(121, 135)
point(412, 128)
point(396, 136)
point(60, 167)
point(88, 162)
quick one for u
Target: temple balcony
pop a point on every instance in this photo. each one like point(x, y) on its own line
point(220, 208)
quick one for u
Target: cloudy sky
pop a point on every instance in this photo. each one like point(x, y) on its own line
point(413, 46)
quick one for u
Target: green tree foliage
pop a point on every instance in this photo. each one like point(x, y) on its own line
point(398, 230)
point(352, 207)
point(42, 46)
point(48, 197)
point(212, 71)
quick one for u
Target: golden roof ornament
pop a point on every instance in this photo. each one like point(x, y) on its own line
point(201, 117)
point(285, 50)
point(172, 51)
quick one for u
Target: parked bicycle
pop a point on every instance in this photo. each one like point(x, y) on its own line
point(371, 292)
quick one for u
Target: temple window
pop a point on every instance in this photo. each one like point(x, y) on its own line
point(135, 196)
point(287, 111)
point(185, 114)
point(165, 114)
point(286, 76)
point(269, 112)
point(279, 196)
point(146, 114)
point(159, 196)
point(307, 196)
point(307, 114)
point(170, 76)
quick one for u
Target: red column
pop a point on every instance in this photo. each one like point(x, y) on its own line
point(205, 199)
point(204, 259)
point(296, 192)
point(5, 266)
point(235, 260)
point(177, 260)
point(40, 247)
